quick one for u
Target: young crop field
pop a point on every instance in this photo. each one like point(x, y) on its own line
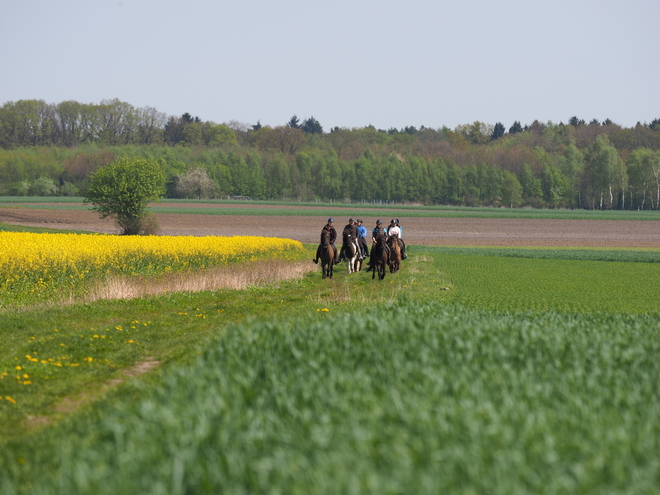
point(471, 370)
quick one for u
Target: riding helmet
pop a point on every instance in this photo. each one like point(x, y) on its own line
point(393, 222)
point(330, 220)
point(379, 222)
point(351, 220)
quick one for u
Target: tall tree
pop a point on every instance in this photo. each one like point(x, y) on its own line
point(294, 123)
point(515, 128)
point(574, 121)
point(498, 131)
point(312, 126)
point(644, 176)
point(601, 170)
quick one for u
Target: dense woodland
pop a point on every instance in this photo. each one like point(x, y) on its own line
point(50, 149)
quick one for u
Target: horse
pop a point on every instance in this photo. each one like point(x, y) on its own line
point(395, 253)
point(351, 253)
point(327, 255)
point(379, 257)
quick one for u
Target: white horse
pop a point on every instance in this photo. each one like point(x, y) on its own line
point(353, 261)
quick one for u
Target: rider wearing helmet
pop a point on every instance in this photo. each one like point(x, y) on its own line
point(329, 227)
point(375, 232)
point(401, 241)
point(362, 238)
point(349, 230)
point(395, 230)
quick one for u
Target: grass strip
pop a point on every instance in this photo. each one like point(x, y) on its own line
point(262, 208)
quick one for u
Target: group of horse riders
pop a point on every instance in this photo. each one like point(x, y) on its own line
point(356, 230)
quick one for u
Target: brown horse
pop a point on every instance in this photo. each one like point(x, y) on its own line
point(327, 255)
point(395, 253)
point(379, 257)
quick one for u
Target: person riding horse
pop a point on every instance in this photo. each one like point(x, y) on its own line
point(349, 230)
point(375, 232)
point(395, 230)
point(330, 229)
point(362, 238)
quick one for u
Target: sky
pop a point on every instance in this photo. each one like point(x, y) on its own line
point(351, 64)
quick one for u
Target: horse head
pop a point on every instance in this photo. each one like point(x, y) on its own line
point(325, 238)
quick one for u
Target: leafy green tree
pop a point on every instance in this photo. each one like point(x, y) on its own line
point(477, 132)
point(554, 185)
point(437, 180)
point(43, 186)
point(511, 190)
point(123, 189)
point(239, 174)
point(601, 170)
point(192, 134)
point(572, 166)
point(455, 185)
point(644, 176)
point(255, 174)
point(218, 135)
point(531, 186)
point(276, 173)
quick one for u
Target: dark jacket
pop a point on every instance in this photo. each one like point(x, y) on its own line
point(376, 231)
point(350, 229)
point(333, 233)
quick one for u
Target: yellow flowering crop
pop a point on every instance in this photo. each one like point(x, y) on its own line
point(48, 264)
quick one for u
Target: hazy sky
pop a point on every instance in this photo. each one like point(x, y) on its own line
point(347, 63)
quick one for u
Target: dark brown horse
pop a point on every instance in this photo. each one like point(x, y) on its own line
point(327, 253)
point(395, 253)
point(379, 257)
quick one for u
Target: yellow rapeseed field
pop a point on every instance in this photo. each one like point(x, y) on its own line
point(42, 263)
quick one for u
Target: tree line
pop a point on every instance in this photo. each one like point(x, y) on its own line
point(50, 149)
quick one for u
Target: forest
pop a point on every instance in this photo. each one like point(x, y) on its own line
point(51, 149)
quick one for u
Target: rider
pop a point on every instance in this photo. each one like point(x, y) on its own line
point(362, 239)
point(375, 232)
point(350, 229)
point(395, 230)
point(329, 227)
point(402, 242)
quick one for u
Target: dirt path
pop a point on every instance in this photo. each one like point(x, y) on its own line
point(429, 231)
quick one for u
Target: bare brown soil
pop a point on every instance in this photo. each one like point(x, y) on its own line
point(428, 231)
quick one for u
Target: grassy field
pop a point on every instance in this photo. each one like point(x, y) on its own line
point(469, 371)
point(262, 208)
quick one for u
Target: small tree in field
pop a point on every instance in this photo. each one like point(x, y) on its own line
point(123, 189)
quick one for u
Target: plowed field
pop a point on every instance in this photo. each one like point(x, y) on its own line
point(430, 231)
